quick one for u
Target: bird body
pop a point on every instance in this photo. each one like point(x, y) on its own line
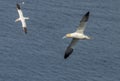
point(77, 36)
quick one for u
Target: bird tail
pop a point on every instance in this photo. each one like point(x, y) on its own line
point(85, 17)
point(25, 30)
point(26, 18)
point(68, 52)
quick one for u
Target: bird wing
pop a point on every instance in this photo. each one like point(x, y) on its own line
point(19, 10)
point(73, 42)
point(69, 49)
point(25, 30)
point(23, 23)
point(82, 24)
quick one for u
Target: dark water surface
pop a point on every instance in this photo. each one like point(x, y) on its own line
point(38, 56)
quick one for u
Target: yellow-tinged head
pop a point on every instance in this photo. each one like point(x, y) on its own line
point(67, 36)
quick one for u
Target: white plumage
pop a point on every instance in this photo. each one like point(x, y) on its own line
point(21, 18)
point(77, 35)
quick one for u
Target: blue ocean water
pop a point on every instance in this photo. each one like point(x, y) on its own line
point(38, 56)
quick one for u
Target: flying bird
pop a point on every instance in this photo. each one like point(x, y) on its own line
point(77, 35)
point(21, 18)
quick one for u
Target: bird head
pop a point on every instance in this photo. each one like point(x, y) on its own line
point(67, 36)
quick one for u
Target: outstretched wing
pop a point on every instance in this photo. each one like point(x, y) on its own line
point(69, 49)
point(19, 10)
point(83, 21)
point(73, 42)
point(18, 19)
point(25, 30)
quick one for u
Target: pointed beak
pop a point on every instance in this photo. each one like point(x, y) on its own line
point(91, 38)
point(64, 37)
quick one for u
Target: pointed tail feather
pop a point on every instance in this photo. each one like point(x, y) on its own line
point(26, 18)
point(68, 52)
point(18, 19)
point(25, 30)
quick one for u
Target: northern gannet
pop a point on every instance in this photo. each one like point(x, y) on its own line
point(21, 18)
point(77, 35)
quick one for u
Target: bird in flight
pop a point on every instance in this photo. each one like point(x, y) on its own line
point(21, 18)
point(77, 35)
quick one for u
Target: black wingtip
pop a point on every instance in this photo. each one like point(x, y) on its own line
point(87, 14)
point(85, 17)
point(18, 6)
point(68, 52)
point(25, 30)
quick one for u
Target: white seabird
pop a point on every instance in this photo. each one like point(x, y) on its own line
point(21, 18)
point(77, 35)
